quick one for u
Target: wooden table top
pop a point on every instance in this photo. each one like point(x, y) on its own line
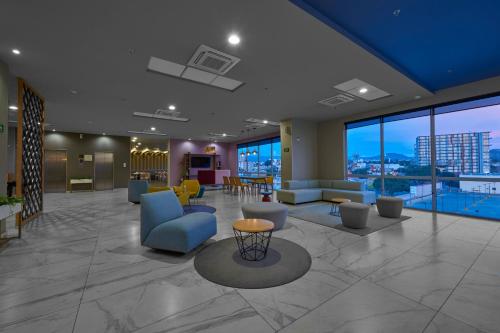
point(253, 225)
point(253, 177)
point(339, 200)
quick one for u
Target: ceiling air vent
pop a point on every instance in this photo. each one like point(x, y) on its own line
point(336, 100)
point(212, 60)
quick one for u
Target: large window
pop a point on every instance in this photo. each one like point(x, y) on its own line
point(261, 158)
point(444, 158)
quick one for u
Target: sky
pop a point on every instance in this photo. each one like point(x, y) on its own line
point(399, 136)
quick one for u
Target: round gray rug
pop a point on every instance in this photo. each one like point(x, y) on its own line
point(221, 263)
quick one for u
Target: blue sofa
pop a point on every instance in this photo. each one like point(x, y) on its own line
point(136, 188)
point(300, 191)
point(165, 227)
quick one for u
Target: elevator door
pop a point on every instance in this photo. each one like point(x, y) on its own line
point(103, 171)
point(55, 171)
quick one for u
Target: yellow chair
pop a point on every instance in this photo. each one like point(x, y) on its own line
point(181, 195)
point(189, 186)
point(232, 184)
point(192, 186)
point(242, 186)
point(257, 184)
point(183, 198)
point(227, 183)
point(270, 181)
point(153, 189)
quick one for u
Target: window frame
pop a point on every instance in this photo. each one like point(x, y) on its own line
point(434, 110)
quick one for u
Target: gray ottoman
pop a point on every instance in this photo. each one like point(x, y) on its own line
point(271, 211)
point(389, 206)
point(354, 215)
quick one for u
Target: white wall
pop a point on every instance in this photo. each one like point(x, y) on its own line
point(300, 137)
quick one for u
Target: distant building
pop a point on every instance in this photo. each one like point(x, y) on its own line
point(460, 153)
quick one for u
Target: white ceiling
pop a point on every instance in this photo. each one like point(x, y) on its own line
point(289, 61)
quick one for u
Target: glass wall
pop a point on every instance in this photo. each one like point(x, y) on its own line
point(260, 158)
point(444, 158)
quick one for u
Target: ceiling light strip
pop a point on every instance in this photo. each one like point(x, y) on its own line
point(159, 116)
point(147, 133)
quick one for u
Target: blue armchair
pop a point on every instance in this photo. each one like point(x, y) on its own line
point(136, 188)
point(164, 225)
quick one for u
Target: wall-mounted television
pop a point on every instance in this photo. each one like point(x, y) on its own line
point(201, 162)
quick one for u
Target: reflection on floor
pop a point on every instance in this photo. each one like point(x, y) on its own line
point(80, 268)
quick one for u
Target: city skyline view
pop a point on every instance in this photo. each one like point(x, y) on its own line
point(399, 139)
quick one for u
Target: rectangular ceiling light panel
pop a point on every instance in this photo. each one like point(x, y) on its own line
point(226, 83)
point(165, 67)
point(160, 116)
point(194, 74)
point(147, 133)
point(362, 90)
point(222, 135)
point(262, 121)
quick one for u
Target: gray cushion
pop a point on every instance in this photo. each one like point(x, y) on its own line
point(299, 196)
point(390, 206)
point(324, 183)
point(296, 184)
point(271, 211)
point(347, 185)
point(313, 183)
point(366, 197)
point(354, 215)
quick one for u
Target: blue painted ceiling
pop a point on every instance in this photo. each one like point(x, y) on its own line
point(437, 43)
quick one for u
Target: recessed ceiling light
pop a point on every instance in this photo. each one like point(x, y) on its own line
point(12, 107)
point(171, 107)
point(153, 129)
point(16, 51)
point(189, 139)
point(53, 130)
point(134, 139)
point(363, 90)
point(265, 121)
point(418, 97)
point(103, 133)
point(224, 134)
point(234, 39)
point(138, 143)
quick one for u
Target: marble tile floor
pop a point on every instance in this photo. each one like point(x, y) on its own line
point(80, 268)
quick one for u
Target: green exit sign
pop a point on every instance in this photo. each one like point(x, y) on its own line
point(1, 128)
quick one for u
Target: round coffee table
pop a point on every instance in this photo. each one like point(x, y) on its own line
point(253, 237)
point(335, 205)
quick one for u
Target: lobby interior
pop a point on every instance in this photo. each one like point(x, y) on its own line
point(249, 166)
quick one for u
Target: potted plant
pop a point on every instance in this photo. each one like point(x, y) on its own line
point(9, 206)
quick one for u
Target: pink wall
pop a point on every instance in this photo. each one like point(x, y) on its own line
point(180, 147)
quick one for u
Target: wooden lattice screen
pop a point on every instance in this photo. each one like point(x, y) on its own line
point(29, 159)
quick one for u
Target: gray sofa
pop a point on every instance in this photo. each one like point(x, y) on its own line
point(299, 191)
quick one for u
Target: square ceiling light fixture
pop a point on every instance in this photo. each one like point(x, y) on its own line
point(206, 66)
point(362, 90)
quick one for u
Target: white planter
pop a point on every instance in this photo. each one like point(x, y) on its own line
point(8, 210)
